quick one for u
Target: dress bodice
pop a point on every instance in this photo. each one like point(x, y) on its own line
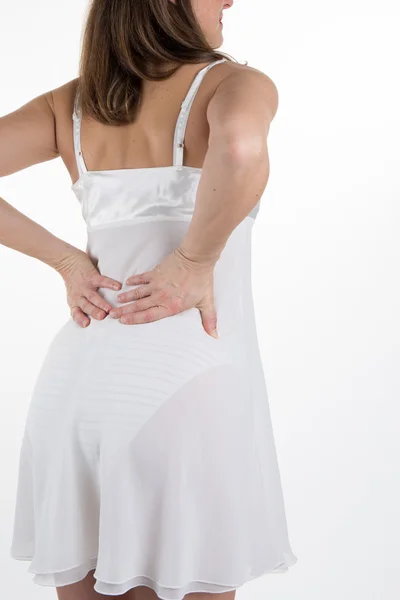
point(111, 196)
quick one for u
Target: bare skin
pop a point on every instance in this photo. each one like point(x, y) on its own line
point(226, 136)
point(29, 136)
point(83, 590)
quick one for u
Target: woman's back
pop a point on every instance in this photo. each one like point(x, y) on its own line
point(162, 451)
point(148, 141)
point(148, 454)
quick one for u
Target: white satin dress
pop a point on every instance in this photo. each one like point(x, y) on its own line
point(148, 452)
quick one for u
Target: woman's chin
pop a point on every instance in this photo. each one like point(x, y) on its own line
point(218, 41)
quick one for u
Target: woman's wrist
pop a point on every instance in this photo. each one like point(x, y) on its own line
point(198, 261)
point(66, 260)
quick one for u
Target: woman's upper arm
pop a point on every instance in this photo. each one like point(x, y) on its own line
point(28, 135)
point(242, 108)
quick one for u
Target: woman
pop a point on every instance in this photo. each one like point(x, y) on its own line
point(148, 465)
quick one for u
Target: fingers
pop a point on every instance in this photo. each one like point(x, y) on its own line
point(139, 292)
point(140, 278)
point(97, 300)
point(209, 317)
point(155, 313)
point(90, 309)
point(93, 304)
point(143, 291)
point(103, 281)
point(79, 317)
point(138, 306)
point(159, 295)
point(160, 299)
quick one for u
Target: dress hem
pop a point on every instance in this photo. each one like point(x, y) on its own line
point(128, 584)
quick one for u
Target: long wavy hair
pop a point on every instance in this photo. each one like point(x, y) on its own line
point(126, 41)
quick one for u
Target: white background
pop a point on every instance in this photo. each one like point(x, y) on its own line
point(325, 277)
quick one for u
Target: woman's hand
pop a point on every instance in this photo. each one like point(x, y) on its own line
point(176, 284)
point(81, 280)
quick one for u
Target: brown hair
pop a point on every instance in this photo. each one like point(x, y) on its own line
point(125, 41)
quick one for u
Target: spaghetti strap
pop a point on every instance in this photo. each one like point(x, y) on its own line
point(181, 123)
point(77, 120)
point(180, 126)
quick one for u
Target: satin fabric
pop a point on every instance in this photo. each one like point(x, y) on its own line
point(159, 192)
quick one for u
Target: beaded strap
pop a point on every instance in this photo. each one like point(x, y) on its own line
point(180, 126)
point(184, 113)
point(77, 119)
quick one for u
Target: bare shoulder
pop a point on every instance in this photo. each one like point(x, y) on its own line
point(28, 134)
point(244, 94)
point(238, 74)
point(63, 97)
point(263, 84)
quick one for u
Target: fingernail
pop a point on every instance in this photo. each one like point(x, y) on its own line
point(214, 334)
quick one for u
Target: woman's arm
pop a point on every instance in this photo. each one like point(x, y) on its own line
point(28, 136)
point(235, 173)
point(236, 167)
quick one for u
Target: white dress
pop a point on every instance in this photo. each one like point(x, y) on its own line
point(148, 452)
